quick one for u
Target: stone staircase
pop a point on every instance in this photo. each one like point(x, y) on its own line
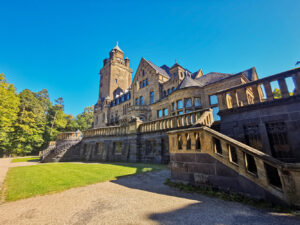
point(57, 153)
point(214, 159)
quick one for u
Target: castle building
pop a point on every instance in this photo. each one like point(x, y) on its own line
point(158, 92)
point(229, 131)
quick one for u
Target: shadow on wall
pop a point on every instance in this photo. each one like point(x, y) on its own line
point(203, 209)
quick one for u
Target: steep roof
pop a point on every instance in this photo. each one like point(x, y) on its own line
point(117, 47)
point(158, 69)
point(211, 78)
point(249, 73)
point(188, 82)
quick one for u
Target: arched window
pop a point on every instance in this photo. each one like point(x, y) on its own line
point(188, 142)
point(179, 139)
point(147, 83)
point(141, 100)
point(144, 83)
point(137, 101)
point(175, 75)
point(152, 97)
point(165, 93)
point(173, 89)
point(169, 91)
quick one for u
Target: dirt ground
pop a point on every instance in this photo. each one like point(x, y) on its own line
point(138, 199)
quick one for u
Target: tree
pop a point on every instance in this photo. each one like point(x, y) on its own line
point(30, 125)
point(85, 119)
point(58, 107)
point(9, 107)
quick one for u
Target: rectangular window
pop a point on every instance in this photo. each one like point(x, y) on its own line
point(141, 100)
point(159, 113)
point(197, 102)
point(100, 148)
point(117, 148)
point(147, 83)
point(213, 100)
point(152, 97)
point(141, 84)
point(173, 106)
point(180, 112)
point(137, 101)
point(117, 101)
point(122, 98)
point(188, 102)
point(273, 176)
point(169, 91)
point(217, 146)
point(232, 154)
point(250, 163)
point(166, 112)
point(144, 83)
point(179, 104)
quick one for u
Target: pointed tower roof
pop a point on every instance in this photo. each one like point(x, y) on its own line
point(117, 47)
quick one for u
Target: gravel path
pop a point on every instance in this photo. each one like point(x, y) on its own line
point(139, 199)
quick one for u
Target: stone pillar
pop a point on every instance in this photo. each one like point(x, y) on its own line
point(296, 79)
point(222, 101)
point(283, 88)
point(234, 99)
point(256, 94)
point(243, 95)
point(268, 90)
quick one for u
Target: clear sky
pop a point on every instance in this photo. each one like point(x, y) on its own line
point(60, 45)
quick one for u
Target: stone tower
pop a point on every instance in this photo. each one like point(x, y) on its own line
point(115, 76)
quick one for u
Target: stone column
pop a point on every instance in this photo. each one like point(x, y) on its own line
point(243, 95)
point(268, 90)
point(222, 101)
point(296, 79)
point(283, 88)
point(234, 99)
point(256, 94)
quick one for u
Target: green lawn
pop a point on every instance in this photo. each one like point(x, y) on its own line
point(27, 181)
point(26, 159)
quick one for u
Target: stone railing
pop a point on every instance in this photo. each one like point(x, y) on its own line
point(203, 117)
point(237, 96)
point(69, 136)
point(107, 131)
point(278, 178)
point(46, 152)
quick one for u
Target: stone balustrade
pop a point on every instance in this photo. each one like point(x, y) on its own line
point(107, 131)
point(203, 117)
point(278, 178)
point(251, 93)
point(69, 136)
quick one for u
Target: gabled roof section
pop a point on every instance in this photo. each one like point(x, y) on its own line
point(188, 82)
point(158, 69)
point(197, 74)
point(250, 74)
point(211, 78)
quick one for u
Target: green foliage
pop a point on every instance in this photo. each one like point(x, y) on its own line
point(27, 181)
point(277, 93)
point(28, 121)
point(30, 125)
point(85, 119)
point(9, 107)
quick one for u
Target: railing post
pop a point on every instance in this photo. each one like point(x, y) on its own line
point(234, 99)
point(243, 95)
point(222, 101)
point(268, 90)
point(256, 94)
point(296, 79)
point(283, 88)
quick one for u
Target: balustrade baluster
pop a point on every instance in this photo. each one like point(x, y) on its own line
point(283, 88)
point(268, 90)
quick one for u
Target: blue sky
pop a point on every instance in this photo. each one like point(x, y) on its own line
point(60, 45)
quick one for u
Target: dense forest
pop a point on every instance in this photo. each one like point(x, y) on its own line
point(29, 120)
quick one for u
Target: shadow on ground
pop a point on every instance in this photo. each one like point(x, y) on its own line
point(206, 210)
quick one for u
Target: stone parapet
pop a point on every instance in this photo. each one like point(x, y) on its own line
point(203, 156)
